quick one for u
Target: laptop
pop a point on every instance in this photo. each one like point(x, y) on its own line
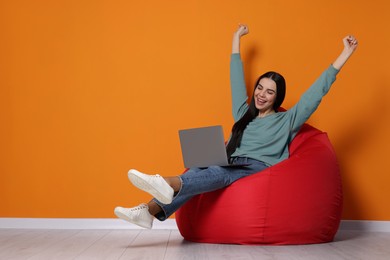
point(203, 147)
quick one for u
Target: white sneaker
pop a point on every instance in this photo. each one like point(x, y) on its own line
point(138, 215)
point(153, 184)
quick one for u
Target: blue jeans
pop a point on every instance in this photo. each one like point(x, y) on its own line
point(200, 180)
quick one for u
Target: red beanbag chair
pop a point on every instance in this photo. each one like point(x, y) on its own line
point(298, 201)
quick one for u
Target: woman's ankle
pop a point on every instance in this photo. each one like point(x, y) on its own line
point(174, 182)
point(154, 208)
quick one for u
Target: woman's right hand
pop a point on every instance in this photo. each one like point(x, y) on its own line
point(242, 30)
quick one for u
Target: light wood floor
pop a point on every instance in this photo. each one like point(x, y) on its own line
point(168, 244)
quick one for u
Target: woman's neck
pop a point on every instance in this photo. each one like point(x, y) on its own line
point(266, 113)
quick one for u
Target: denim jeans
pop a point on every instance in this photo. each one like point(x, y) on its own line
point(200, 180)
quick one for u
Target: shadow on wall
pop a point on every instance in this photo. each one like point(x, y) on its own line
point(249, 57)
point(356, 137)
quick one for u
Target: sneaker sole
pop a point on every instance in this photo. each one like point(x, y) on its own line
point(140, 183)
point(126, 218)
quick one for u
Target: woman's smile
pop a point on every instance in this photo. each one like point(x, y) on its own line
point(265, 95)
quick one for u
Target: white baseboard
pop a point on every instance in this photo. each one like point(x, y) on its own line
point(110, 223)
point(365, 225)
point(78, 223)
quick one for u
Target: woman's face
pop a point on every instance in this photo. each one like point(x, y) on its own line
point(265, 95)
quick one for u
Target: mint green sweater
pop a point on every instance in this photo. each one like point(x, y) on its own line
point(267, 139)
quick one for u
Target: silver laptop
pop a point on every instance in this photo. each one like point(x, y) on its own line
point(204, 147)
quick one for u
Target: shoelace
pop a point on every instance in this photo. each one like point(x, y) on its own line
point(140, 207)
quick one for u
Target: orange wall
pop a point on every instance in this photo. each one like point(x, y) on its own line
point(90, 89)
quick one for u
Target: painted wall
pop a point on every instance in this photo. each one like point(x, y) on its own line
point(90, 89)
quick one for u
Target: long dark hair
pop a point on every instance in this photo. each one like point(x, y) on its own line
point(253, 112)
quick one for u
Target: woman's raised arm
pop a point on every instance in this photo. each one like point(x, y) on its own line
point(241, 31)
point(350, 45)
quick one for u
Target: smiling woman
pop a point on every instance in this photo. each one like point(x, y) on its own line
point(260, 138)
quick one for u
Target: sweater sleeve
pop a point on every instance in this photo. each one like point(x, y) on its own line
point(311, 99)
point(238, 87)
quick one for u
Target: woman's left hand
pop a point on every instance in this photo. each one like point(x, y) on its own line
point(350, 43)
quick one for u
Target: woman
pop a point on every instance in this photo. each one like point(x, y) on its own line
point(260, 138)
